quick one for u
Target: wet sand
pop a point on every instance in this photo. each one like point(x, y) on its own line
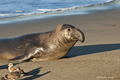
point(98, 58)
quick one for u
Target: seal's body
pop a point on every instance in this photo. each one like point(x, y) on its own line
point(41, 46)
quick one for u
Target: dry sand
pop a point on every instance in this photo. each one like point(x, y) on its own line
point(96, 59)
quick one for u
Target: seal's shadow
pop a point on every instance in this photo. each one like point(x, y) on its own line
point(91, 49)
point(34, 74)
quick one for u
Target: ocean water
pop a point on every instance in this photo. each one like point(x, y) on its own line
point(13, 10)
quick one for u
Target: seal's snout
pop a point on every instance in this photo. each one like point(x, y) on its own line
point(82, 36)
point(79, 35)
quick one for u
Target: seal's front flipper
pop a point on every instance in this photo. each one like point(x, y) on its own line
point(26, 56)
point(21, 58)
point(29, 54)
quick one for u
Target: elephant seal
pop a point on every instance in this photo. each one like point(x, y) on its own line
point(44, 46)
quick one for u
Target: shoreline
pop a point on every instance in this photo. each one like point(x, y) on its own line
point(95, 59)
point(90, 9)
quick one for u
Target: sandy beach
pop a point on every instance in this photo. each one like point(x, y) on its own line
point(98, 58)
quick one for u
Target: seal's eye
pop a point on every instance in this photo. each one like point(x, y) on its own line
point(69, 29)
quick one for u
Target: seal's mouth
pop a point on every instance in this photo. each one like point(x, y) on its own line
point(81, 41)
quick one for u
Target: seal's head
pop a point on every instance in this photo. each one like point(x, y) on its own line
point(70, 33)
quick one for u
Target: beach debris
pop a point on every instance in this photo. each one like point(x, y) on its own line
point(12, 75)
point(14, 72)
point(12, 68)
